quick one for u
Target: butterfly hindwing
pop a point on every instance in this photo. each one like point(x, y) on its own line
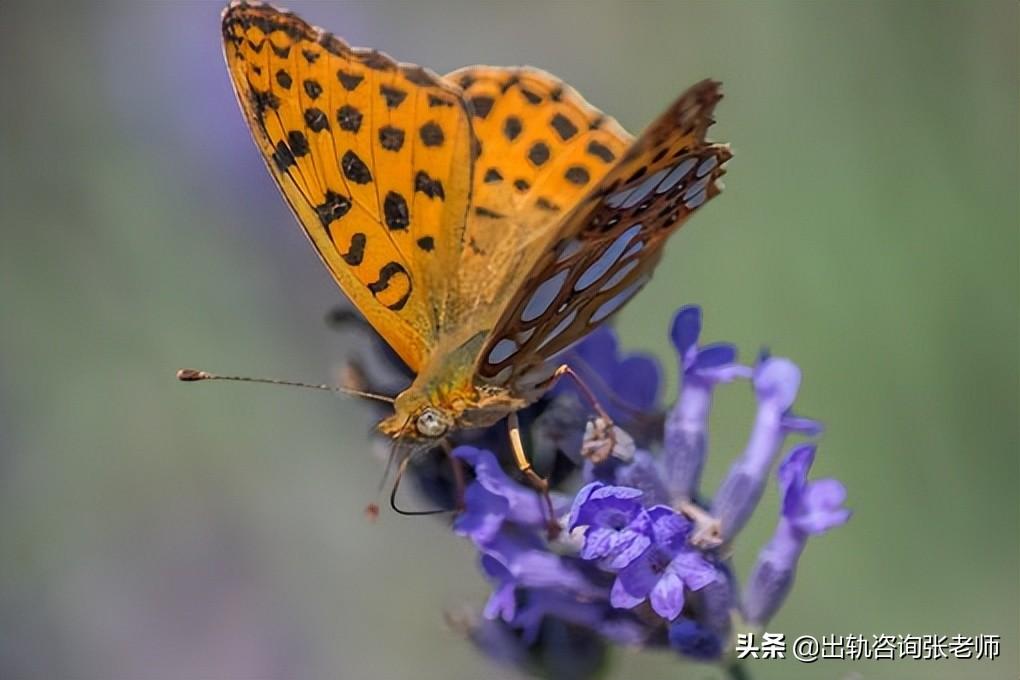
point(605, 249)
point(373, 156)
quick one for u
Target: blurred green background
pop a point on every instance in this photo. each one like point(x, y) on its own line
point(154, 530)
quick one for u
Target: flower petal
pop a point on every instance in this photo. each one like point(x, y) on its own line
point(483, 514)
point(694, 640)
point(621, 598)
point(776, 381)
point(669, 527)
point(695, 570)
point(686, 329)
point(599, 542)
point(822, 507)
point(635, 381)
point(631, 546)
point(667, 596)
point(638, 578)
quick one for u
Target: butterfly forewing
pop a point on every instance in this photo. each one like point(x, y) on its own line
point(540, 147)
point(373, 156)
point(604, 250)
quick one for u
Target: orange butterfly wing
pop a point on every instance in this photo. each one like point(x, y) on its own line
point(374, 158)
point(606, 247)
point(540, 147)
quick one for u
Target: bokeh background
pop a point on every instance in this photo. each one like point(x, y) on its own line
point(155, 530)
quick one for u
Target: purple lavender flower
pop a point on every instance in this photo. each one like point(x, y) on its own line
point(690, 638)
point(686, 432)
point(663, 571)
point(615, 625)
point(634, 567)
point(776, 381)
point(808, 509)
point(617, 527)
point(625, 383)
point(494, 498)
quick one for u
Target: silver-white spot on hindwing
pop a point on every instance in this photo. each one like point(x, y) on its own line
point(619, 197)
point(696, 193)
point(676, 175)
point(643, 189)
point(599, 267)
point(620, 275)
point(706, 166)
point(544, 296)
point(696, 200)
point(560, 327)
point(503, 350)
point(633, 249)
point(615, 302)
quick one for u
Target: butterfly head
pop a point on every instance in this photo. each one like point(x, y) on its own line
point(417, 417)
point(432, 422)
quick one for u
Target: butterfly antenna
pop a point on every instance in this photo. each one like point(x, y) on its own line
point(193, 375)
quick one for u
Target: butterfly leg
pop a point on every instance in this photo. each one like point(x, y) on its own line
point(601, 438)
point(536, 481)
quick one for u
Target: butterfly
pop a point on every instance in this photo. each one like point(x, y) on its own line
point(482, 221)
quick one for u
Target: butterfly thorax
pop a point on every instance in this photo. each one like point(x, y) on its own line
point(448, 390)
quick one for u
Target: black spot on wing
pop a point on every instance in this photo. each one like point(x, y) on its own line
point(426, 243)
point(356, 251)
point(283, 79)
point(564, 128)
point(316, 120)
point(262, 101)
point(349, 81)
point(538, 153)
point(531, 96)
point(512, 128)
point(431, 134)
point(391, 138)
point(482, 105)
point(577, 174)
point(354, 168)
point(395, 211)
point(492, 176)
point(283, 157)
point(349, 118)
point(433, 188)
point(312, 88)
point(388, 271)
point(298, 143)
point(394, 96)
point(333, 208)
point(601, 151)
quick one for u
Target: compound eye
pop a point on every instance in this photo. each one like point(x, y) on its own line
point(431, 424)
